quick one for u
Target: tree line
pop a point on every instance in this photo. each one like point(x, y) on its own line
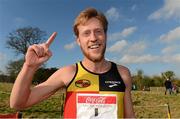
point(142, 81)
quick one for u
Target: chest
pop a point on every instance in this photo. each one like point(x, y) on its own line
point(90, 82)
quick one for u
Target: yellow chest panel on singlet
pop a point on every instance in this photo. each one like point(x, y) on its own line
point(97, 95)
point(84, 77)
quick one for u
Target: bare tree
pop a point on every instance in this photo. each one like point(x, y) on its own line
point(20, 39)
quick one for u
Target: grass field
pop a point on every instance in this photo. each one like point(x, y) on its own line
point(147, 104)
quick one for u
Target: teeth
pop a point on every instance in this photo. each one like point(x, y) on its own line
point(94, 46)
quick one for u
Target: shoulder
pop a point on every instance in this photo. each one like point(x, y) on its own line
point(65, 74)
point(125, 74)
point(67, 69)
point(124, 71)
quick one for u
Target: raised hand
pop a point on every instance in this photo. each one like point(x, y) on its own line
point(37, 54)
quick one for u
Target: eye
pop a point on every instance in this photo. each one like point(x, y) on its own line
point(99, 31)
point(86, 33)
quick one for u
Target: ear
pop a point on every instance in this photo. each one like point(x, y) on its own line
point(78, 41)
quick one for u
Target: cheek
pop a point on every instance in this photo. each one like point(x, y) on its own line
point(82, 42)
point(83, 45)
point(103, 41)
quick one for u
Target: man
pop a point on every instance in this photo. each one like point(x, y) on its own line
point(168, 86)
point(95, 87)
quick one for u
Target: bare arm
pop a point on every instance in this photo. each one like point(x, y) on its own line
point(42, 91)
point(22, 95)
point(128, 106)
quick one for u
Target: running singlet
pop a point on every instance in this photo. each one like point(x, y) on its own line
point(92, 95)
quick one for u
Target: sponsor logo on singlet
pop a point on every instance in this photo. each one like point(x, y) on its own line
point(82, 83)
point(112, 83)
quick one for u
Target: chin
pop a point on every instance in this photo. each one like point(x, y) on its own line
point(96, 58)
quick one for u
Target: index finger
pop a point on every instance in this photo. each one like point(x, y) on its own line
point(51, 39)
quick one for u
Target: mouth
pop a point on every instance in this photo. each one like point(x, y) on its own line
point(94, 46)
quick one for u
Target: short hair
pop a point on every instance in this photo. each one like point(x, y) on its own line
point(87, 14)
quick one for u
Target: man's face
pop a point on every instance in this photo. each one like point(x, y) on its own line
point(92, 40)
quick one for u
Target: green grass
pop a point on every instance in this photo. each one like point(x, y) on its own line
point(153, 104)
point(146, 104)
point(51, 108)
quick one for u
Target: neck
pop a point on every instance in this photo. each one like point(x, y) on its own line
point(96, 67)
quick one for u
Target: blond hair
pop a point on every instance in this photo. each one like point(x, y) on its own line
point(87, 14)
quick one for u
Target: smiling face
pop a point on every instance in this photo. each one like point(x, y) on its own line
point(92, 40)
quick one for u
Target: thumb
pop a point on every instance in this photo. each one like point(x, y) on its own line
point(44, 59)
point(49, 53)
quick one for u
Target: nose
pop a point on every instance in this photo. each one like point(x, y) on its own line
point(93, 37)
